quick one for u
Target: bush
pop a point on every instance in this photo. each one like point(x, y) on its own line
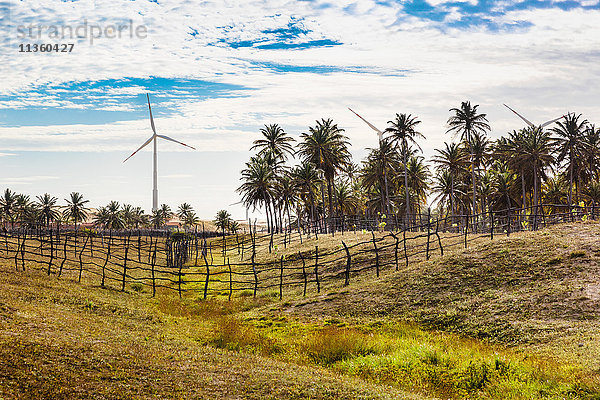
point(333, 344)
point(231, 334)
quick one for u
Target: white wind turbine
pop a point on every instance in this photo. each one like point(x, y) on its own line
point(380, 135)
point(153, 139)
point(531, 124)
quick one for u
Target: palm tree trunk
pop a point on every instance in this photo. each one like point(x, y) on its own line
point(324, 225)
point(452, 197)
point(330, 198)
point(407, 199)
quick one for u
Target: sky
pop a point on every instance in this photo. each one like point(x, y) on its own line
point(217, 71)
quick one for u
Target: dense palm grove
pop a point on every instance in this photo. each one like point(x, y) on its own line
point(316, 183)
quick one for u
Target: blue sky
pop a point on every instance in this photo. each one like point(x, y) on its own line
point(216, 72)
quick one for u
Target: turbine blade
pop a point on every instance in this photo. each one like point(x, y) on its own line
point(141, 147)
point(522, 117)
point(173, 140)
point(551, 122)
point(379, 133)
point(151, 119)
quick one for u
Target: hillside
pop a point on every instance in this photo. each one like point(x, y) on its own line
point(540, 289)
point(509, 318)
point(63, 340)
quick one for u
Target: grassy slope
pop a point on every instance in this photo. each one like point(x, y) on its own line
point(539, 289)
point(63, 340)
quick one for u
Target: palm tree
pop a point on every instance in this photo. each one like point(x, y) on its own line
point(468, 122)
point(8, 204)
point(47, 207)
point(591, 144)
point(257, 187)
point(403, 131)
point(76, 210)
point(381, 163)
point(307, 179)
point(537, 152)
point(327, 148)
point(275, 141)
point(161, 215)
point(452, 159)
point(223, 220)
point(570, 145)
point(418, 180)
point(114, 216)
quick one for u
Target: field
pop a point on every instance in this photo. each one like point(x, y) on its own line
point(509, 318)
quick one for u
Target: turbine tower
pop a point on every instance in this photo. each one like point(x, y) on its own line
point(153, 139)
point(531, 124)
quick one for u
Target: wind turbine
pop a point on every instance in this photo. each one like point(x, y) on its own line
point(531, 124)
point(153, 139)
point(380, 135)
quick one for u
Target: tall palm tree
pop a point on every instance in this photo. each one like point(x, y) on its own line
point(327, 148)
point(403, 131)
point(275, 141)
point(451, 158)
point(569, 144)
point(468, 122)
point(47, 207)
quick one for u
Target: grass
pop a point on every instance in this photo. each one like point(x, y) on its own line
point(509, 319)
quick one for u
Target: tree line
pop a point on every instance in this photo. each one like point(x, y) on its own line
point(314, 181)
point(20, 210)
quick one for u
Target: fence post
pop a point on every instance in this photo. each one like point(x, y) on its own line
point(253, 237)
point(179, 274)
point(62, 263)
point(51, 251)
point(17, 250)
point(437, 234)
point(207, 271)
point(281, 278)
point(396, 249)
point(348, 262)
point(303, 273)
point(404, 242)
point(376, 254)
point(105, 263)
point(230, 280)
point(125, 262)
point(428, 231)
point(508, 227)
point(317, 269)
point(139, 246)
point(466, 230)
point(81, 255)
point(23, 250)
point(153, 264)
point(491, 225)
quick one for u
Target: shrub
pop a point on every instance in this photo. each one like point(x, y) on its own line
point(333, 344)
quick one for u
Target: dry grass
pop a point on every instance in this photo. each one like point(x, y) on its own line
point(62, 340)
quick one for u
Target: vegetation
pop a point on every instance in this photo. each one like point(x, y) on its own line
point(468, 175)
